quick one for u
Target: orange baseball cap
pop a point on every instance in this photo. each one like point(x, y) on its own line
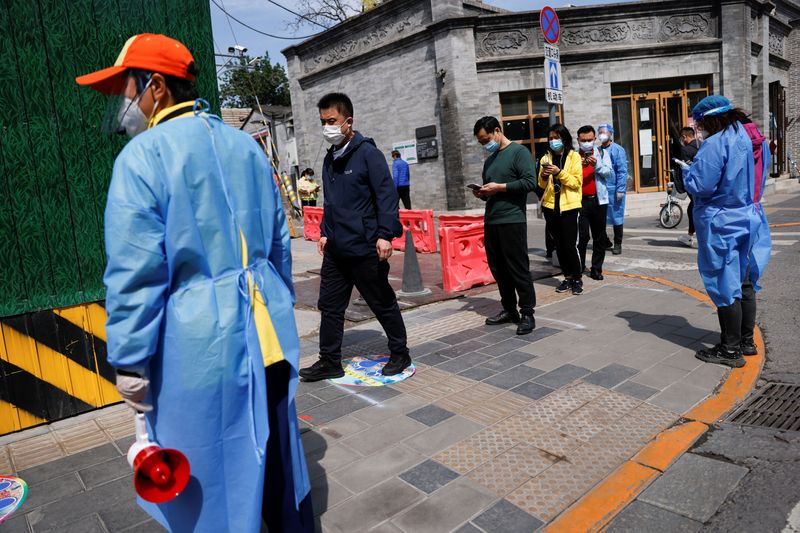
point(146, 51)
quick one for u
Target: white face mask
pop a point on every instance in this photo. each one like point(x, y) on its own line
point(132, 120)
point(603, 138)
point(333, 134)
point(587, 146)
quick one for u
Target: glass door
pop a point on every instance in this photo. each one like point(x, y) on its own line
point(646, 134)
point(671, 136)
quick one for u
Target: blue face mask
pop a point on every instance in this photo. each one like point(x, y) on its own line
point(556, 145)
point(492, 146)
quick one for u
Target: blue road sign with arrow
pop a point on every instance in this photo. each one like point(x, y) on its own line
point(552, 71)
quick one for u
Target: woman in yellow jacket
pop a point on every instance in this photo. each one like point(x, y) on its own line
point(561, 175)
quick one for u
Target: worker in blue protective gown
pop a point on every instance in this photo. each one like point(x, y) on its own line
point(617, 184)
point(200, 298)
point(726, 180)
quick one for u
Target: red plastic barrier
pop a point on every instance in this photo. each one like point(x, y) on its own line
point(454, 221)
point(420, 223)
point(464, 262)
point(312, 218)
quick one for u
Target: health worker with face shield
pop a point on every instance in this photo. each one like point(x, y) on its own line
point(616, 183)
point(200, 299)
point(726, 181)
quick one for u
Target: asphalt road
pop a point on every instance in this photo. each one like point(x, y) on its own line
point(765, 499)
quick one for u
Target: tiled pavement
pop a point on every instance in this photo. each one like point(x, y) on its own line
point(494, 432)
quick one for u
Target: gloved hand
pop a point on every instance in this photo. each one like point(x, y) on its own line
point(620, 196)
point(133, 389)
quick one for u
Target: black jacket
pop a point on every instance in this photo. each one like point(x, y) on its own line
point(361, 202)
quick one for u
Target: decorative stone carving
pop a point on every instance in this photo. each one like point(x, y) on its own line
point(685, 26)
point(500, 43)
point(380, 34)
point(613, 33)
point(776, 44)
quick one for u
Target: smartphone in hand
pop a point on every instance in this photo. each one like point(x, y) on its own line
point(474, 187)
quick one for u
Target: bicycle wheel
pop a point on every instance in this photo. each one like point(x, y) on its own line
point(671, 215)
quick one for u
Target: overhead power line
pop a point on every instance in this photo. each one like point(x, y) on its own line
point(257, 30)
point(296, 14)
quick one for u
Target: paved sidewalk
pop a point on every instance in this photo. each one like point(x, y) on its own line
point(494, 433)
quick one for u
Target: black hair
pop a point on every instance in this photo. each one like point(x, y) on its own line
point(565, 135)
point(182, 90)
point(687, 131)
point(487, 124)
point(340, 101)
point(586, 129)
point(308, 172)
point(716, 123)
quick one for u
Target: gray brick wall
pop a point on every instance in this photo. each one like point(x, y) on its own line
point(793, 91)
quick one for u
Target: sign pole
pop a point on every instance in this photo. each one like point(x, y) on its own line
point(551, 30)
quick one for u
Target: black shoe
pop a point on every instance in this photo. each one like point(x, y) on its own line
point(503, 317)
point(608, 245)
point(396, 365)
point(565, 286)
point(596, 274)
point(617, 249)
point(749, 347)
point(324, 368)
point(722, 356)
point(526, 324)
point(548, 255)
point(577, 287)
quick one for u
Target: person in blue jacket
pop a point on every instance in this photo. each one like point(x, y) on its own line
point(200, 299)
point(360, 218)
point(617, 184)
point(733, 236)
point(402, 178)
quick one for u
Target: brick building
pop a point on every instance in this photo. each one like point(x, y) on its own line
point(412, 64)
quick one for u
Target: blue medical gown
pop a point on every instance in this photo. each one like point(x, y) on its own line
point(186, 198)
point(731, 227)
point(616, 182)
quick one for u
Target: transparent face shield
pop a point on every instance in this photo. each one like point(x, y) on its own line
point(123, 114)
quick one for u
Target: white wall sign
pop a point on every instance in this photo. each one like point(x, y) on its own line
point(408, 151)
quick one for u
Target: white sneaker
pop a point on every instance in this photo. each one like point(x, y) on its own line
point(687, 240)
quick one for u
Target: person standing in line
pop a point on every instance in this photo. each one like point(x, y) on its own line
point(594, 203)
point(689, 148)
point(561, 176)
point(360, 219)
point(200, 299)
point(726, 181)
point(617, 184)
point(402, 178)
point(508, 177)
point(308, 187)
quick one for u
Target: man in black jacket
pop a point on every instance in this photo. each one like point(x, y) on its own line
point(689, 148)
point(361, 217)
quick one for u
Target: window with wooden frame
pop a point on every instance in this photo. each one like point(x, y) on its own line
point(525, 117)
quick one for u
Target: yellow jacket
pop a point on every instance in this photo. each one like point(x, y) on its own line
point(571, 179)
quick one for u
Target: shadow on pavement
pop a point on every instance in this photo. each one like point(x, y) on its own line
point(673, 328)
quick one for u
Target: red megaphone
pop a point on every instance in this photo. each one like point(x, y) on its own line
point(159, 474)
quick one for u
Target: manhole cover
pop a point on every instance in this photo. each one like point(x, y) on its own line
point(777, 406)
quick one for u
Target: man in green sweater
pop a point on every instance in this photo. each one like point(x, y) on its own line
point(508, 176)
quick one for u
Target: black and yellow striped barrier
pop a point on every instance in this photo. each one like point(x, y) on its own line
point(53, 365)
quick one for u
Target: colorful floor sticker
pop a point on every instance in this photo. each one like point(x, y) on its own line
point(365, 372)
point(12, 493)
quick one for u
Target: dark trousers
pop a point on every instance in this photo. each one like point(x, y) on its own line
point(549, 241)
point(618, 234)
point(371, 277)
point(690, 214)
point(312, 203)
point(564, 228)
point(593, 219)
point(507, 253)
point(404, 192)
point(278, 509)
point(738, 320)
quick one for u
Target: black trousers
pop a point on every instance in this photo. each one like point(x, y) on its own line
point(371, 277)
point(507, 253)
point(564, 228)
point(738, 320)
point(278, 510)
point(690, 214)
point(593, 219)
point(618, 230)
point(404, 192)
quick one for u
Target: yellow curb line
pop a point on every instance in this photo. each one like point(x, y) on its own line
point(785, 225)
point(599, 506)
